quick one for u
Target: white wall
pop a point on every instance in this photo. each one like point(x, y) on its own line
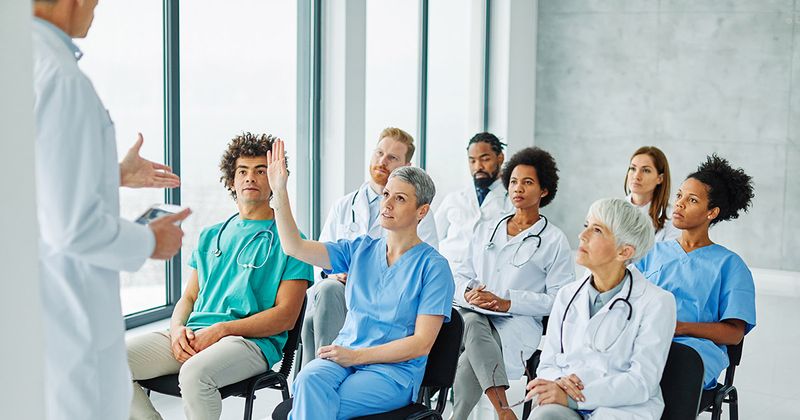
point(20, 319)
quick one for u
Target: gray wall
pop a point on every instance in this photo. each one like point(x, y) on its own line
point(691, 77)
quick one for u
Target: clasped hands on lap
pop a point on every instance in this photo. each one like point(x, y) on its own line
point(485, 299)
point(185, 343)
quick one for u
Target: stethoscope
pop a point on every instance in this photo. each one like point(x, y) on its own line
point(625, 300)
point(265, 233)
point(537, 236)
point(353, 224)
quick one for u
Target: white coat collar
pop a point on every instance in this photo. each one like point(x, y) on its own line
point(73, 49)
point(639, 284)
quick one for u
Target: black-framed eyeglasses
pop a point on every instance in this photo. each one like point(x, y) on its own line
point(494, 384)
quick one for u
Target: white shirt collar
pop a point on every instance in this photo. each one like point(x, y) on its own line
point(76, 52)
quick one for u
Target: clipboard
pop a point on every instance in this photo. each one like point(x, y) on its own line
point(480, 310)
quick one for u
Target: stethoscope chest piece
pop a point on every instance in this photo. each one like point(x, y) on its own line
point(353, 227)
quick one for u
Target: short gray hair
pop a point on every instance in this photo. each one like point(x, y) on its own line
point(419, 179)
point(629, 225)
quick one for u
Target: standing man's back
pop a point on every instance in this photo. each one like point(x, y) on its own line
point(83, 242)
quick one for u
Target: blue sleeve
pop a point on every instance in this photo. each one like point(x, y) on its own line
point(643, 263)
point(298, 270)
point(437, 289)
point(738, 294)
point(341, 254)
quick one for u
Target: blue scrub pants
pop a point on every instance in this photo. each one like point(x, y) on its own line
point(325, 390)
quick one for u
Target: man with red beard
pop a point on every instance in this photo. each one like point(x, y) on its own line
point(354, 215)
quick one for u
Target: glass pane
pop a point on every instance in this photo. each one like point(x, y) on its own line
point(123, 56)
point(455, 70)
point(240, 76)
point(392, 80)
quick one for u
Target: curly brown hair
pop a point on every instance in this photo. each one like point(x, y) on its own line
point(247, 145)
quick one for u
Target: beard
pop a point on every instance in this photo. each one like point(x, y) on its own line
point(484, 181)
point(380, 178)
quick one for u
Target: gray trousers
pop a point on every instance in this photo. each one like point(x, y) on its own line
point(481, 358)
point(554, 412)
point(322, 325)
point(227, 361)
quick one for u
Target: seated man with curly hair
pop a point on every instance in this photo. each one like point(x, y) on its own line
point(242, 295)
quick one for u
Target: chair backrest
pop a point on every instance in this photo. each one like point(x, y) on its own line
point(292, 342)
point(682, 383)
point(735, 357)
point(440, 372)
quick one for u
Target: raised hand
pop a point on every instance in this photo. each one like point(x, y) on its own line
point(138, 172)
point(277, 173)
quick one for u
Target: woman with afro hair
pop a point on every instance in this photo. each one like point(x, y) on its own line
point(713, 287)
point(514, 266)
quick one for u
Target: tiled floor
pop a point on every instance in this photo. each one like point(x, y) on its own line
point(766, 378)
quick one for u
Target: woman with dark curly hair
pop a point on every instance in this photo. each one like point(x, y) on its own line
point(712, 285)
point(507, 283)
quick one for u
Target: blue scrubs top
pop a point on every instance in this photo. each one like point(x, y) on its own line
point(229, 291)
point(710, 284)
point(383, 302)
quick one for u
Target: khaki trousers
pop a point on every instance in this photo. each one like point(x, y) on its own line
point(227, 361)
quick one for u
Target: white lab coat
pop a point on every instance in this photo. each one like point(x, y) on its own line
point(532, 287)
point(340, 219)
point(668, 232)
point(622, 383)
point(459, 215)
point(83, 242)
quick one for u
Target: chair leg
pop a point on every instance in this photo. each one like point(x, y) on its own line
point(733, 403)
point(716, 412)
point(284, 388)
point(248, 406)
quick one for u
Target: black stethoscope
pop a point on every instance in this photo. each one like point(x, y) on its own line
point(537, 236)
point(218, 251)
point(353, 225)
point(625, 300)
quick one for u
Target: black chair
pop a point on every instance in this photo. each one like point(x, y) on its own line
point(711, 400)
point(440, 372)
point(168, 384)
point(681, 383)
point(531, 365)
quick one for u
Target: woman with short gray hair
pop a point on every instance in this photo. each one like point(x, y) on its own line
point(609, 334)
point(398, 293)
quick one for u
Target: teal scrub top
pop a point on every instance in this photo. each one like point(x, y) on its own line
point(710, 284)
point(383, 302)
point(229, 291)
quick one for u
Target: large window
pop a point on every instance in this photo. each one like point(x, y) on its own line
point(123, 56)
point(238, 74)
point(238, 66)
point(454, 96)
point(392, 72)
